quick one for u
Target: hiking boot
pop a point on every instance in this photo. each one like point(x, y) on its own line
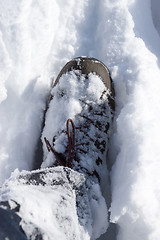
point(77, 125)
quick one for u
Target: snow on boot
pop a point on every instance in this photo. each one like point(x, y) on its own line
point(77, 123)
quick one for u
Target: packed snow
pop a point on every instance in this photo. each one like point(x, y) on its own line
point(36, 40)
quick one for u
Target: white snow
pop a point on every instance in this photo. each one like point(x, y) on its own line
point(36, 40)
point(68, 95)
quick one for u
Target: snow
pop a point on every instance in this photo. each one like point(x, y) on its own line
point(68, 103)
point(36, 40)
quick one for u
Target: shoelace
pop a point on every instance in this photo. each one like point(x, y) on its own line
point(60, 159)
point(70, 148)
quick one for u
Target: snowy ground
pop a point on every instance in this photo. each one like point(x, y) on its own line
point(36, 40)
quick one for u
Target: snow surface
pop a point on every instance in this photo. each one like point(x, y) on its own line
point(36, 40)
